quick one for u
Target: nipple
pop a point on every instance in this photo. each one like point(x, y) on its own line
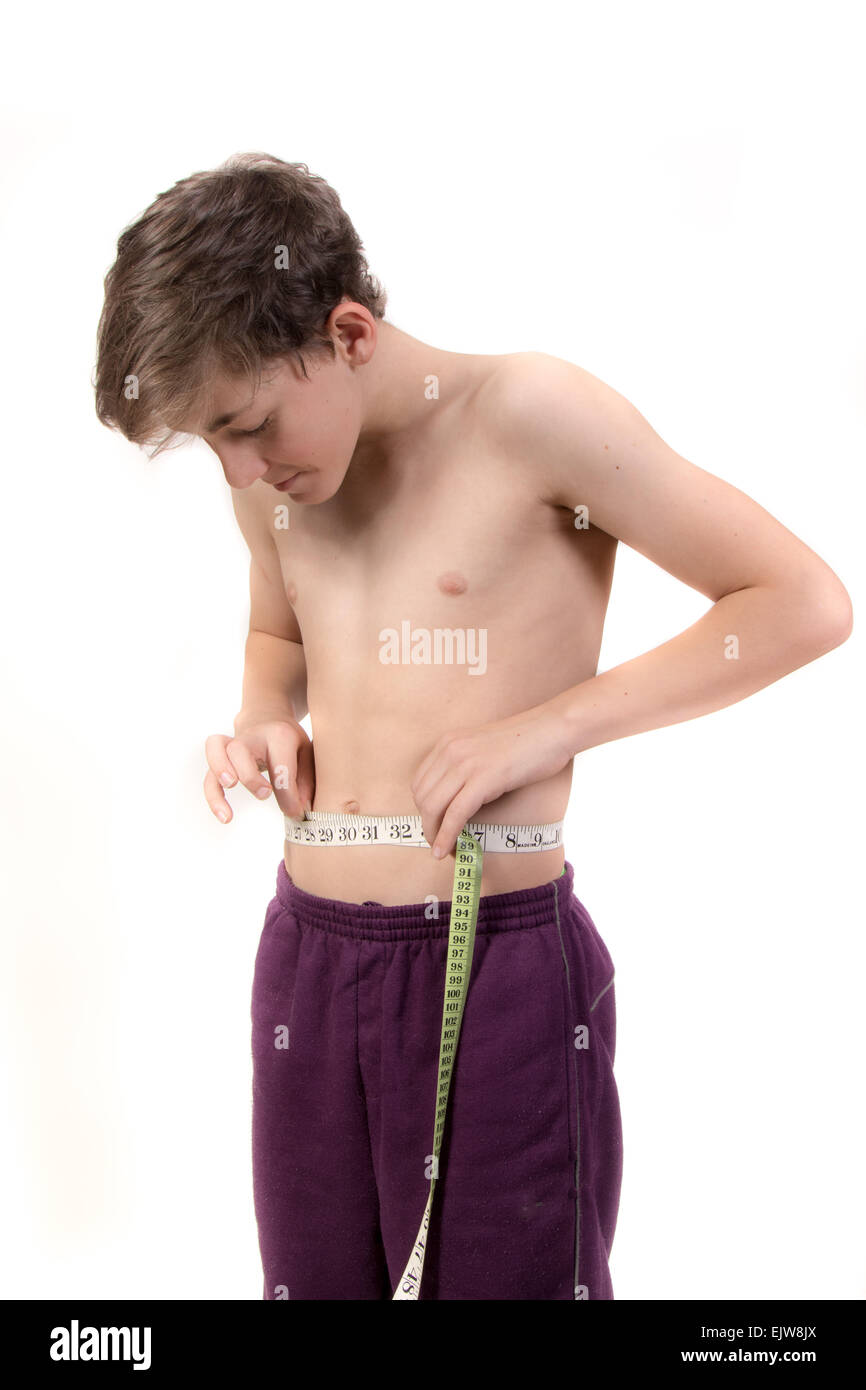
point(452, 582)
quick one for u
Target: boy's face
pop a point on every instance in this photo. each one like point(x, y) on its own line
point(308, 427)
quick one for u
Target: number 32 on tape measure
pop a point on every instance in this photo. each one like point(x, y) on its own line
point(465, 897)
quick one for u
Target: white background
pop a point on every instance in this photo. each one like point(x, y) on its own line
point(669, 194)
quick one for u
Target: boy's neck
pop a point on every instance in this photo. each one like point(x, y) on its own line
point(396, 387)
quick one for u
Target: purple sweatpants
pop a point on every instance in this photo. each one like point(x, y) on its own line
point(346, 1020)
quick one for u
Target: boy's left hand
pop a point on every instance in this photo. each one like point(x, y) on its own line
point(472, 766)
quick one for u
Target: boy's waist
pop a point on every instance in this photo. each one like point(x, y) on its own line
point(342, 828)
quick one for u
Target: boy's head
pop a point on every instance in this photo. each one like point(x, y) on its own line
point(223, 293)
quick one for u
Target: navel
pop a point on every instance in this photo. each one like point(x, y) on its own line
point(352, 807)
point(452, 582)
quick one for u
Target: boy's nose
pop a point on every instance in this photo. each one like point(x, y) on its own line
point(241, 471)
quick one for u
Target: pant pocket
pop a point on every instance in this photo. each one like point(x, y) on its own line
point(275, 968)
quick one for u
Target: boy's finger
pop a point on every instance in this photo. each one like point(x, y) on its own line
point(218, 759)
point(306, 774)
point(284, 766)
point(246, 766)
point(216, 797)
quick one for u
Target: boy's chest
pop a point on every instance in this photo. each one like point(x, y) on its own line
point(461, 555)
point(470, 545)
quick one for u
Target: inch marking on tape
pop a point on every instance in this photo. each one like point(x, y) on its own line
point(461, 942)
point(343, 828)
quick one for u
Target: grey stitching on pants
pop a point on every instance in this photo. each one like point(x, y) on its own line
point(602, 994)
point(576, 1280)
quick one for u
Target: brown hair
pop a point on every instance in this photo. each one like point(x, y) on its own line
point(198, 286)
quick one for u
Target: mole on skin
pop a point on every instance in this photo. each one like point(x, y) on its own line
point(452, 582)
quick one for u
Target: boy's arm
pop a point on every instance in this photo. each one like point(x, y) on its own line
point(777, 605)
point(275, 670)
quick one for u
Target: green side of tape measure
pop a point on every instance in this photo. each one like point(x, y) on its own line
point(465, 897)
point(461, 943)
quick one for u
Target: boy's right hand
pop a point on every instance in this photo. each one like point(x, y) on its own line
point(279, 745)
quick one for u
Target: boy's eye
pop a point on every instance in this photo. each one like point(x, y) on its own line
point(258, 430)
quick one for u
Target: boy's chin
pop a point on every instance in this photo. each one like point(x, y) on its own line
point(314, 490)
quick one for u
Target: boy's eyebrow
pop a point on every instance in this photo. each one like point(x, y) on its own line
point(221, 420)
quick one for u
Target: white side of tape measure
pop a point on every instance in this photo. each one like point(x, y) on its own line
point(341, 828)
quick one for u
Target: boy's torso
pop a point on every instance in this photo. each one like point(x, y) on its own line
point(452, 535)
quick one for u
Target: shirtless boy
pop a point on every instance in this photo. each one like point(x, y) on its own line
point(390, 487)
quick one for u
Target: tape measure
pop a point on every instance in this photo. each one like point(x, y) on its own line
point(461, 942)
point(339, 828)
point(343, 828)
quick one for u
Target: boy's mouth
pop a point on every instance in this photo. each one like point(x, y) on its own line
point(287, 482)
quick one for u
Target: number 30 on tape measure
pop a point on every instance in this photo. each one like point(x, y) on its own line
point(465, 897)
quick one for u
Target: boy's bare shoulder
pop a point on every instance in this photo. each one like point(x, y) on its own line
point(254, 515)
point(554, 417)
point(270, 609)
point(528, 389)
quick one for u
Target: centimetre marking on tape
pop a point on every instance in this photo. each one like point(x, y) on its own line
point(342, 828)
point(461, 941)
